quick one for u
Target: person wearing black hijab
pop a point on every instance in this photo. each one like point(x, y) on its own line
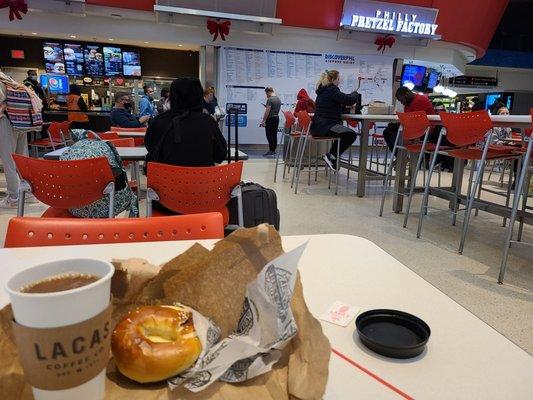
point(184, 135)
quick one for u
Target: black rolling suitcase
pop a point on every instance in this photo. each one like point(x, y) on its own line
point(259, 206)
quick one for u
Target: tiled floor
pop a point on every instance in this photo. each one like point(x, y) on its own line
point(469, 279)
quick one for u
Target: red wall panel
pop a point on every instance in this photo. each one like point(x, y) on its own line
point(468, 22)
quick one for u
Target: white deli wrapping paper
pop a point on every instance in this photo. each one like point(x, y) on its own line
point(266, 325)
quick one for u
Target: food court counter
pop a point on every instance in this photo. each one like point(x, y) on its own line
point(98, 120)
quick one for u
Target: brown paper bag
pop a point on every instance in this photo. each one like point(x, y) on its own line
point(214, 283)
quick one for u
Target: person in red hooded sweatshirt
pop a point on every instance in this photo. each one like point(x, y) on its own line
point(304, 103)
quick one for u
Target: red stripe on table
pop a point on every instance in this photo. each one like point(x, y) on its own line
point(371, 374)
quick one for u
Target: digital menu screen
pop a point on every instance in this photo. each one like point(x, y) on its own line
point(53, 58)
point(113, 61)
point(94, 60)
point(55, 83)
point(414, 74)
point(73, 59)
point(132, 63)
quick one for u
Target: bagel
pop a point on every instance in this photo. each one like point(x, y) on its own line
point(154, 343)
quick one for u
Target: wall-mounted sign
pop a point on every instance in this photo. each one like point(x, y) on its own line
point(17, 54)
point(239, 108)
point(388, 18)
point(479, 81)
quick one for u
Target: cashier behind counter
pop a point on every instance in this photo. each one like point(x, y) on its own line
point(121, 116)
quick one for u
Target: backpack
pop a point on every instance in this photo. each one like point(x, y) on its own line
point(124, 197)
point(19, 110)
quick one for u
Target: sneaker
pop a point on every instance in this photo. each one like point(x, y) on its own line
point(269, 154)
point(8, 202)
point(330, 161)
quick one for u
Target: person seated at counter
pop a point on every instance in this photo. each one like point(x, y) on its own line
point(327, 121)
point(77, 108)
point(207, 101)
point(120, 115)
point(185, 135)
point(146, 103)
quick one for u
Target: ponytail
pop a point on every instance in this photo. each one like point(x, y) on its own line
point(327, 78)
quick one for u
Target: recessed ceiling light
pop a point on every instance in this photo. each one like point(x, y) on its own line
point(110, 39)
point(73, 36)
point(146, 42)
point(180, 45)
point(34, 33)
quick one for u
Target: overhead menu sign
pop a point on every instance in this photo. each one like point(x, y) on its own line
point(479, 81)
point(388, 18)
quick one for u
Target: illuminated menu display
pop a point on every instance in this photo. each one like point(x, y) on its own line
point(113, 61)
point(132, 63)
point(94, 60)
point(53, 58)
point(73, 59)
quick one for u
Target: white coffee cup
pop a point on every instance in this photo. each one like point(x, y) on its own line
point(57, 309)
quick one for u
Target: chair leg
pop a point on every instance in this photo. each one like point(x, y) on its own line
point(316, 161)
point(421, 157)
point(480, 187)
point(350, 164)
point(338, 166)
point(516, 202)
point(296, 158)
point(425, 197)
point(524, 194)
point(277, 157)
point(309, 164)
point(300, 160)
point(387, 177)
point(472, 196)
point(508, 194)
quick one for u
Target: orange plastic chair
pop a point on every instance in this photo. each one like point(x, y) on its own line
point(287, 141)
point(36, 232)
point(65, 130)
point(104, 135)
point(65, 184)
point(193, 190)
point(55, 138)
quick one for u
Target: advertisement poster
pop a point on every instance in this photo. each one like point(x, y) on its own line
point(132, 63)
point(53, 58)
point(94, 60)
point(113, 61)
point(73, 59)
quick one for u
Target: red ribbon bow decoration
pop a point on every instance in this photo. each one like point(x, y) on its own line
point(15, 8)
point(383, 41)
point(216, 28)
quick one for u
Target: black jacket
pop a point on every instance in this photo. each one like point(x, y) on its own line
point(330, 104)
point(184, 135)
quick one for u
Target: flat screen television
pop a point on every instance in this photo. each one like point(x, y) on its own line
point(57, 84)
point(505, 98)
point(413, 73)
point(54, 61)
point(132, 63)
point(113, 61)
point(74, 62)
point(94, 60)
point(433, 79)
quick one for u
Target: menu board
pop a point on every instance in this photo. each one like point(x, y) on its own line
point(53, 58)
point(113, 61)
point(94, 60)
point(132, 63)
point(55, 83)
point(73, 59)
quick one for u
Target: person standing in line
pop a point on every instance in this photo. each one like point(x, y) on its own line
point(164, 104)
point(146, 104)
point(11, 141)
point(77, 108)
point(327, 120)
point(271, 121)
point(33, 82)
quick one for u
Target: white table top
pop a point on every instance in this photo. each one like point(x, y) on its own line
point(465, 358)
point(130, 134)
point(522, 121)
point(126, 153)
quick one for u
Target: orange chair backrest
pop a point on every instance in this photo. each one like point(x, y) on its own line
point(289, 119)
point(104, 135)
point(192, 190)
point(414, 124)
point(34, 232)
point(65, 129)
point(304, 120)
point(65, 184)
point(122, 142)
point(466, 128)
point(119, 129)
point(54, 132)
